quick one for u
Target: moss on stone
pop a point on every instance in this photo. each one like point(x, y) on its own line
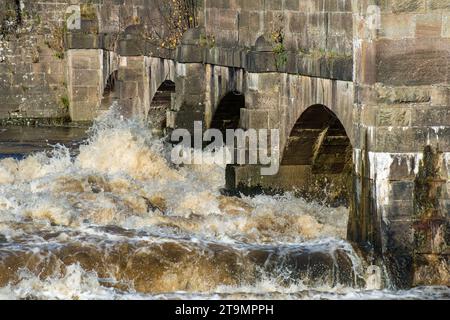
point(65, 103)
point(426, 190)
point(61, 121)
point(88, 11)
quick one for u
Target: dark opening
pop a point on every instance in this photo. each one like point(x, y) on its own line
point(18, 13)
point(319, 141)
point(110, 86)
point(228, 113)
point(110, 93)
point(157, 116)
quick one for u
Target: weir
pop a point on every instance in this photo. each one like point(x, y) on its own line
point(359, 91)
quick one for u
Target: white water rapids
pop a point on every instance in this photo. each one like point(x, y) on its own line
point(118, 221)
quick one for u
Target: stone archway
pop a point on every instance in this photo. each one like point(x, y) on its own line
point(320, 146)
point(110, 92)
point(160, 104)
point(228, 113)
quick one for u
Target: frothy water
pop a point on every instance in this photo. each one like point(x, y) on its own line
point(114, 219)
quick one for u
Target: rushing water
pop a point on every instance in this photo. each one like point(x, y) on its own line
point(111, 218)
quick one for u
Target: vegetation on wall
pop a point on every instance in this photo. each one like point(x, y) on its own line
point(10, 18)
point(64, 101)
point(207, 41)
point(426, 190)
point(55, 39)
point(175, 17)
point(281, 55)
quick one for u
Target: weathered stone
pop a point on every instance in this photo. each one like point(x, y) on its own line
point(383, 76)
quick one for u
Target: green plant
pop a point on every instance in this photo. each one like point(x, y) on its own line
point(56, 39)
point(35, 57)
point(281, 55)
point(175, 17)
point(303, 51)
point(207, 41)
point(11, 19)
point(65, 103)
point(88, 11)
point(59, 55)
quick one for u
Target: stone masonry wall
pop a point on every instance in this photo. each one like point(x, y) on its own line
point(402, 79)
point(307, 25)
point(32, 65)
point(309, 37)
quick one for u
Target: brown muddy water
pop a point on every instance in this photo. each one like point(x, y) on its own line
point(105, 215)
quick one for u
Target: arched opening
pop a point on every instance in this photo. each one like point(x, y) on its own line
point(320, 143)
point(110, 93)
point(157, 116)
point(228, 112)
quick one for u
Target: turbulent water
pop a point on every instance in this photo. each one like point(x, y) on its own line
point(113, 219)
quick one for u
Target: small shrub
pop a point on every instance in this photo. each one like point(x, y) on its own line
point(65, 104)
point(281, 54)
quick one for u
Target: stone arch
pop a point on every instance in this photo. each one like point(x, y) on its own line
point(110, 92)
point(304, 92)
point(222, 84)
point(110, 80)
point(161, 84)
point(316, 124)
point(160, 105)
point(320, 145)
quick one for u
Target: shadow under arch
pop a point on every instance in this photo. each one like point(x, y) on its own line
point(160, 104)
point(228, 112)
point(110, 92)
point(319, 143)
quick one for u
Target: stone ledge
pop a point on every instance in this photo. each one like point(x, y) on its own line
point(313, 65)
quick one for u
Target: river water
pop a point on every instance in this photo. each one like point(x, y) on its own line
point(104, 215)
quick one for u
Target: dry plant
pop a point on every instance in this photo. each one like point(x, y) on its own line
point(172, 20)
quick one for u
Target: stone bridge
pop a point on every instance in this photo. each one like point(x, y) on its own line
point(360, 91)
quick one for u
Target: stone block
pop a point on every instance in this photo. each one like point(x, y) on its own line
point(431, 236)
point(297, 22)
point(399, 210)
point(83, 111)
point(423, 60)
point(428, 25)
point(446, 25)
point(396, 139)
point(438, 5)
point(437, 137)
point(255, 119)
point(85, 94)
point(399, 237)
point(431, 116)
point(402, 190)
point(131, 47)
point(396, 26)
point(394, 117)
point(403, 167)
point(128, 89)
point(86, 78)
point(440, 96)
point(190, 54)
point(84, 62)
point(128, 74)
point(84, 41)
point(401, 6)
